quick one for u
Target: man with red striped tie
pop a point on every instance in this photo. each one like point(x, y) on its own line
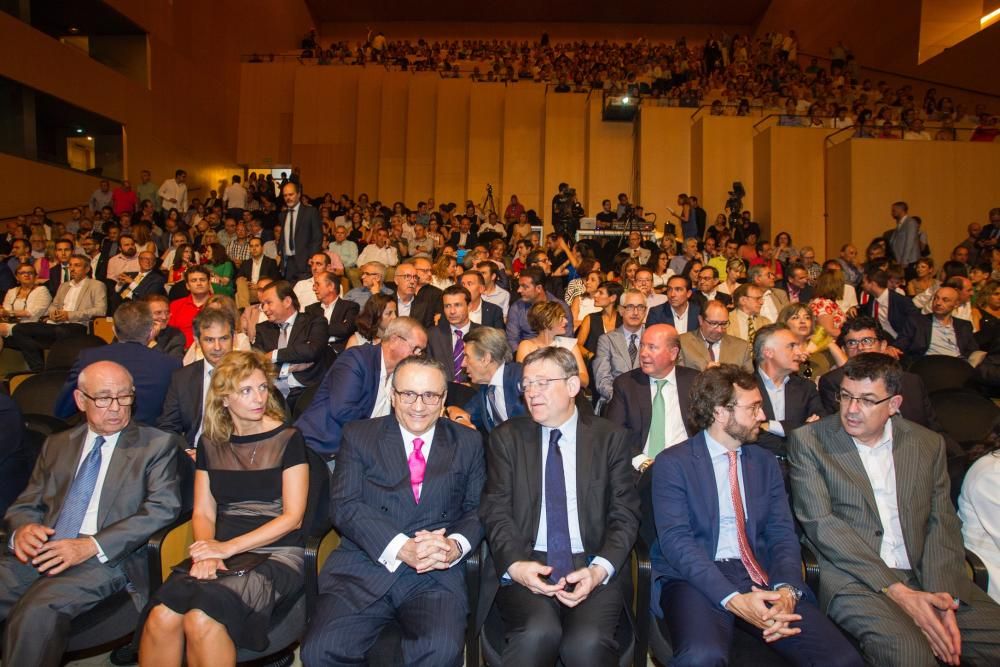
point(726, 554)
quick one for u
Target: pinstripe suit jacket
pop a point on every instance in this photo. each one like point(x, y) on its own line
point(371, 502)
point(834, 501)
point(612, 359)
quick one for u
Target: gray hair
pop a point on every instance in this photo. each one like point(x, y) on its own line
point(561, 357)
point(488, 340)
point(763, 340)
point(133, 322)
point(402, 327)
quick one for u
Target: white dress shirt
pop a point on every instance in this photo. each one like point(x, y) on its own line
point(206, 379)
point(89, 525)
point(390, 555)
point(881, 469)
point(769, 308)
point(681, 319)
point(304, 292)
point(776, 394)
point(673, 420)
point(501, 400)
point(72, 295)
point(403, 307)
point(382, 403)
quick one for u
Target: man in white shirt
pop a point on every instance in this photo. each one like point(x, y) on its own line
point(493, 292)
point(871, 492)
point(174, 193)
point(379, 251)
point(644, 283)
point(635, 249)
point(774, 298)
point(235, 198)
point(126, 261)
point(319, 264)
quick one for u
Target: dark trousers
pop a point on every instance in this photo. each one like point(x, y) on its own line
point(539, 629)
point(432, 621)
point(701, 631)
point(38, 610)
point(32, 338)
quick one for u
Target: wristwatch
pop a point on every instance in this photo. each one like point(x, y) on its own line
point(644, 466)
point(796, 593)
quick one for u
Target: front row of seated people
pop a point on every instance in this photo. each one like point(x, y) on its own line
point(553, 493)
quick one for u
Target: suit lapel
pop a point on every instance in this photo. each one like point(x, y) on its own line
point(585, 454)
point(392, 454)
point(905, 459)
point(704, 478)
point(533, 453)
point(841, 447)
point(68, 464)
point(645, 404)
point(438, 462)
point(125, 450)
point(768, 408)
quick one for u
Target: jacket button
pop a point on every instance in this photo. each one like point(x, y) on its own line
point(444, 515)
point(878, 533)
point(385, 509)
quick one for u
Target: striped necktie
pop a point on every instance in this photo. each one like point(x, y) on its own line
point(74, 508)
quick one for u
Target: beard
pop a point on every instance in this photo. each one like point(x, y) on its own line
point(743, 433)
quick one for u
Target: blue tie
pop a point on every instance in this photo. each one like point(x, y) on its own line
point(492, 411)
point(560, 553)
point(80, 491)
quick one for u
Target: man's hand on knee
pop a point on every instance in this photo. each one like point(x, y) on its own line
point(532, 575)
point(60, 555)
point(29, 539)
point(934, 614)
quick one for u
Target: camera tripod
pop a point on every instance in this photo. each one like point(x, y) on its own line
point(488, 202)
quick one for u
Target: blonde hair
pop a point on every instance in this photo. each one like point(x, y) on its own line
point(235, 367)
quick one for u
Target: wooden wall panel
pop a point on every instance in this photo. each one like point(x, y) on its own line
point(421, 122)
point(486, 136)
point(392, 136)
point(664, 157)
point(838, 198)
point(721, 152)
point(610, 151)
point(324, 131)
point(368, 132)
point(523, 140)
point(264, 133)
point(452, 142)
point(565, 141)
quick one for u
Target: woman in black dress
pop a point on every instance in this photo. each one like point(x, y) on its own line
point(251, 486)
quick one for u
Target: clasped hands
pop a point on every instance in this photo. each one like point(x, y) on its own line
point(771, 611)
point(934, 614)
point(31, 543)
point(429, 550)
point(208, 557)
point(532, 575)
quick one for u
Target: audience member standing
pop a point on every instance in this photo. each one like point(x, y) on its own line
point(302, 233)
point(174, 193)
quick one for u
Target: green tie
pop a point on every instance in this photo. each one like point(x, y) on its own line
point(658, 426)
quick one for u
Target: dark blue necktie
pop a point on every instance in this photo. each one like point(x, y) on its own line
point(80, 491)
point(560, 553)
point(492, 411)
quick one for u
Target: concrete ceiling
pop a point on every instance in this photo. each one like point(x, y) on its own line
point(727, 12)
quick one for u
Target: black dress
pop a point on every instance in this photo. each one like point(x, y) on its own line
point(246, 480)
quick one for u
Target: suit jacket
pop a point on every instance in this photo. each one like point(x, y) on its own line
point(612, 359)
point(306, 345)
point(732, 350)
point(513, 404)
point(371, 502)
point(185, 402)
point(801, 401)
point(171, 341)
point(662, 314)
point(152, 283)
point(632, 405)
point(492, 315)
point(835, 505)
point(92, 301)
point(686, 506)
point(55, 278)
point(341, 325)
point(607, 501)
point(15, 459)
point(916, 405)
point(779, 296)
point(440, 347)
point(916, 337)
point(308, 239)
point(268, 268)
point(139, 497)
point(900, 310)
point(805, 294)
point(470, 239)
point(426, 304)
point(702, 300)
point(734, 325)
point(150, 369)
point(347, 392)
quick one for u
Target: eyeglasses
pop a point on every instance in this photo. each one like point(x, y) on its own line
point(717, 324)
point(406, 276)
point(844, 399)
point(524, 386)
point(753, 407)
point(428, 398)
point(370, 273)
point(415, 350)
point(124, 400)
point(633, 307)
point(866, 342)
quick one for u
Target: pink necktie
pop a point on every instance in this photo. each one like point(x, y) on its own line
point(418, 464)
point(756, 572)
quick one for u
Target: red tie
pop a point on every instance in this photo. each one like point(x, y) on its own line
point(756, 572)
point(875, 310)
point(418, 464)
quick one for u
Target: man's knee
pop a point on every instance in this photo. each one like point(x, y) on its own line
point(323, 646)
point(540, 636)
point(581, 648)
point(701, 654)
point(903, 645)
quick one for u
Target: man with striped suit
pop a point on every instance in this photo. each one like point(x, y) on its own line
point(404, 497)
point(871, 491)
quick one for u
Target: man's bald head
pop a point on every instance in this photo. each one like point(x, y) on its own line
point(105, 381)
point(712, 323)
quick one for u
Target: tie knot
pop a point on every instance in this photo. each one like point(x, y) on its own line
point(458, 334)
point(554, 436)
point(660, 384)
point(634, 336)
point(284, 326)
point(417, 444)
point(732, 457)
point(99, 442)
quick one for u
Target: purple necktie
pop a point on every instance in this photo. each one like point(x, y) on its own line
point(459, 355)
point(418, 464)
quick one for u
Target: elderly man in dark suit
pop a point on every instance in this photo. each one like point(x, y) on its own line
point(302, 233)
point(559, 546)
point(789, 400)
point(871, 492)
point(939, 332)
point(421, 302)
point(97, 493)
point(489, 363)
point(404, 497)
point(357, 385)
point(726, 552)
point(339, 314)
point(150, 368)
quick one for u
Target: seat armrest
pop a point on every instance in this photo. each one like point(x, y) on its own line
point(643, 592)
point(810, 564)
point(980, 575)
point(472, 568)
point(155, 547)
point(318, 548)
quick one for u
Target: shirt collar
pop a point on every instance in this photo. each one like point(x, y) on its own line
point(671, 377)
point(884, 440)
point(291, 320)
point(716, 449)
point(769, 383)
point(567, 428)
point(497, 379)
point(408, 437)
point(109, 440)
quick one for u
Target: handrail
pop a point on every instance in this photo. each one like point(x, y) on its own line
point(753, 108)
point(876, 131)
point(793, 115)
point(69, 208)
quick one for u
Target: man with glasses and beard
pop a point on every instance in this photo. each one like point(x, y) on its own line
point(730, 556)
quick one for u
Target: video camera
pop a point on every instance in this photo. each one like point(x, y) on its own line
point(735, 203)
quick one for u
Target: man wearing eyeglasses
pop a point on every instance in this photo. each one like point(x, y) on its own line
point(404, 497)
point(726, 553)
point(561, 514)
point(871, 491)
point(709, 345)
point(79, 529)
point(372, 277)
point(618, 350)
point(357, 385)
point(745, 320)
